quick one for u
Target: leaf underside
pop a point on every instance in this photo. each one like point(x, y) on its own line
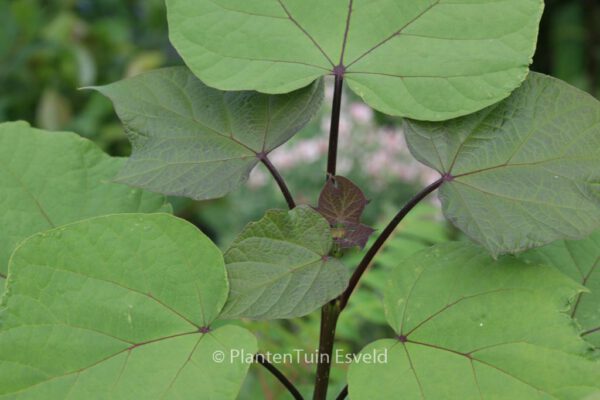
point(580, 260)
point(279, 266)
point(49, 179)
point(116, 307)
point(470, 327)
point(522, 173)
point(423, 59)
point(194, 141)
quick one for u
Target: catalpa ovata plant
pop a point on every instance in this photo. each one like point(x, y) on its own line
point(109, 296)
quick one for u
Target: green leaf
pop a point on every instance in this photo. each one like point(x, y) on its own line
point(470, 327)
point(342, 203)
point(49, 179)
point(279, 267)
point(118, 307)
point(522, 173)
point(191, 140)
point(580, 260)
point(423, 59)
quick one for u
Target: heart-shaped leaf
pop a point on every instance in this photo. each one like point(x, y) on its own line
point(119, 307)
point(522, 173)
point(423, 59)
point(279, 267)
point(469, 327)
point(49, 179)
point(579, 260)
point(191, 140)
point(342, 203)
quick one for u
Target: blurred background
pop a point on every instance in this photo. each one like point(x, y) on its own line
point(50, 48)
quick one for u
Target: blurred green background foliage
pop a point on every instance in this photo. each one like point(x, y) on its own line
point(49, 49)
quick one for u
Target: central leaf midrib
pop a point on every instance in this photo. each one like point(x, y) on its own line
point(346, 31)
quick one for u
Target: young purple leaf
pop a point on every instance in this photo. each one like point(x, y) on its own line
point(353, 235)
point(342, 203)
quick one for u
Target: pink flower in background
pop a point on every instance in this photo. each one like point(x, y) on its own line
point(361, 113)
point(258, 178)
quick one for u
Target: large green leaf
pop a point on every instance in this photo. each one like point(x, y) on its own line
point(469, 327)
point(424, 59)
point(580, 260)
point(279, 267)
point(191, 140)
point(49, 179)
point(118, 307)
point(522, 173)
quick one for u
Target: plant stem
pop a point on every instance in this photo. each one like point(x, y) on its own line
point(343, 394)
point(335, 125)
point(329, 316)
point(389, 229)
point(279, 179)
point(331, 311)
point(279, 375)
